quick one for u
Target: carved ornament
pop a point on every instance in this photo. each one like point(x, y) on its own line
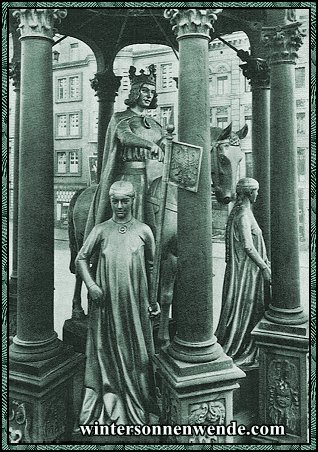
point(38, 22)
point(56, 418)
point(283, 395)
point(257, 71)
point(106, 85)
point(191, 21)
point(15, 73)
point(19, 424)
point(185, 166)
point(283, 42)
point(206, 413)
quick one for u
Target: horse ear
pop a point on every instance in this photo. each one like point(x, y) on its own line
point(225, 133)
point(242, 132)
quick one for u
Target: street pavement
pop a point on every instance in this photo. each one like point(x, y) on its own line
point(64, 281)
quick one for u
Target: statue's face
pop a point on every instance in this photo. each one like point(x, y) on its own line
point(146, 95)
point(121, 206)
point(254, 195)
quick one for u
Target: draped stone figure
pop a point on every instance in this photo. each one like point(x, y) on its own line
point(246, 274)
point(119, 383)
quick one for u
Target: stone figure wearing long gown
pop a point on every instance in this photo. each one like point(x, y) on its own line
point(134, 146)
point(246, 273)
point(119, 383)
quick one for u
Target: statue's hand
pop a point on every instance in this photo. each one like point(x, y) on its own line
point(267, 275)
point(154, 311)
point(96, 294)
point(156, 153)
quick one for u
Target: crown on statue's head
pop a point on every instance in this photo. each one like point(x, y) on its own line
point(142, 77)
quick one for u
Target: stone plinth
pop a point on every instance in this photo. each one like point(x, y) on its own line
point(197, 394)
point(41, 408)
point(284, 381)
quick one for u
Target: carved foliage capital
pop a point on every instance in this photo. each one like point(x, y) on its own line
point(38, 21)
point(185, 21)
point(106, 85)
point(283, 42)
point(257, 71)
point(15, 73)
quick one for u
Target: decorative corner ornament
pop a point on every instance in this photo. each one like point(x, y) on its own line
point(185, 166)
point(187, 21)
point(38, 21)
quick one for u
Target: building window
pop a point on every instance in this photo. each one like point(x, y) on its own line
point(61, 125)
point(248, 164)
point(166, 76)
point(247, 85)
point(300, 123)
point(74, 51)
point(301, 164)
point(69, 88)
point(68, 163)
point(125, 81)
point(222, 84)
point(74, 87)
point(166, 116)
point(61, 89)
point(68, 125)
point(222, 122)
point(300, 77)
point(248, 122)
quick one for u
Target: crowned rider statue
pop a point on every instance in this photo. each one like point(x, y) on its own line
point(133, 139)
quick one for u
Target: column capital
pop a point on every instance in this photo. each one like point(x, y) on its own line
point(283, 42)
point(106, 85)
point(38, 22)
point(15, 73)
point(191, 21)
point(257, 71)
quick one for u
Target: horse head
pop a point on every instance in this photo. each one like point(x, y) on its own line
point(226, 155)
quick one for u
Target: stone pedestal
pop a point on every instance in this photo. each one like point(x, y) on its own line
point(197, 394)
point(284, 380)
point(41, 408)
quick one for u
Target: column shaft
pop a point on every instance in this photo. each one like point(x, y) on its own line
point(261, 158)
point(36, 196)
point(284, 195)
point(105, 111)
point(194, 209)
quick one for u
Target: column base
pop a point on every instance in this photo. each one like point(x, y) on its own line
point(283, 380)
point(29, 351)
point(195, 394)
point(41, 398)
point(295, 316)
point(192, 352)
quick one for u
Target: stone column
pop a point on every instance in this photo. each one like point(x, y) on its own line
point(257, 71)
point(283, 43)
point(41, 369)
point(106, 85)
point(283, 335)
point(194, 368)
point(14, 73)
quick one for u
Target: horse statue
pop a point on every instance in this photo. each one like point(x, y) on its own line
point(225, 157)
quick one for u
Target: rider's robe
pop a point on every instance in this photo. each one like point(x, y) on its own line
point(129, 137)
